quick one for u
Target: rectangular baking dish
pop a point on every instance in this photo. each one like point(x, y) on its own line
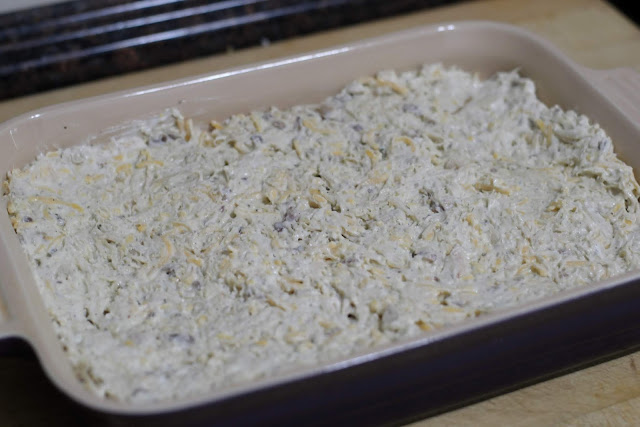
point(431, 373)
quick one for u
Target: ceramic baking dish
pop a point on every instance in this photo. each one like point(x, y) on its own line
point(417, 377)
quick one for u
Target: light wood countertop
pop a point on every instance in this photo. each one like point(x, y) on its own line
point(591, 32)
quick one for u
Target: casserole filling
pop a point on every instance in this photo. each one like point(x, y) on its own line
point(186, 258)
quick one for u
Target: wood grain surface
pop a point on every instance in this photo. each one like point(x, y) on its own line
point(590, 31)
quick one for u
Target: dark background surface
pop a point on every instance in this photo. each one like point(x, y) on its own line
point(82, 40)
point(631, 8)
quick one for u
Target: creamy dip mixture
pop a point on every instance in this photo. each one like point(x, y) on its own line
point(183, 259)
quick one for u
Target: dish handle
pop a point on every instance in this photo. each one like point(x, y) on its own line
point(13, 311)
point(8, 323)
point(13, 340)
point(621, 85)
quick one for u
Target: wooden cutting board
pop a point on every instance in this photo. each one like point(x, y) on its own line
point(591, 32)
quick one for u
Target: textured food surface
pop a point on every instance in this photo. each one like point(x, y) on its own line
point(182, 259)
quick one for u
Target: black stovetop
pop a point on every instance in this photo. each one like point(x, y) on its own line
point(81, 40)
